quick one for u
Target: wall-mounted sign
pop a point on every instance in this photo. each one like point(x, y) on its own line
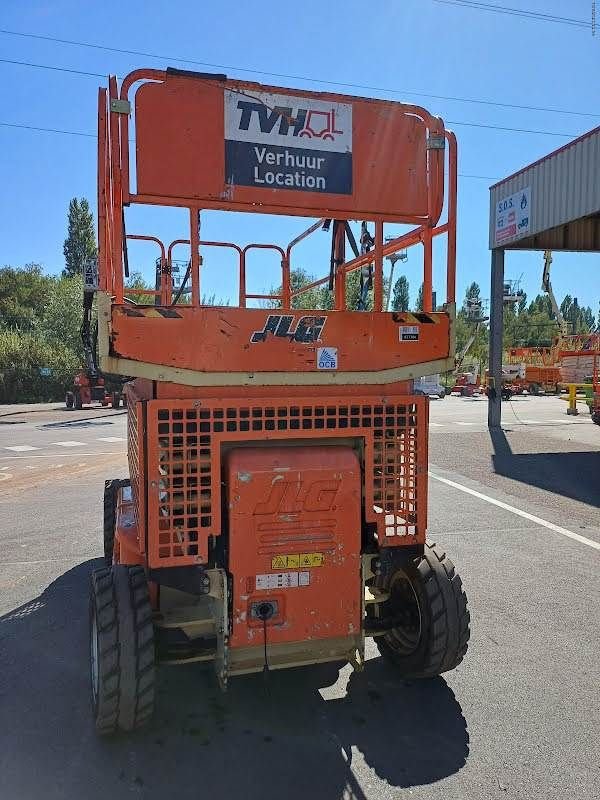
point(513, 217)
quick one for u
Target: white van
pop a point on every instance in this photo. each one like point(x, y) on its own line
point(429, 385)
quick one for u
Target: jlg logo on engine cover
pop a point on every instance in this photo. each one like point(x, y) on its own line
point(284, 326)
point(293, 497)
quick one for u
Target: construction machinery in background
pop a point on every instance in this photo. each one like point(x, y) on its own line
point(90, 385)
point(275, 513)
point(563, 325)
point(468, 383)
point(91, 388)
point(544, 369)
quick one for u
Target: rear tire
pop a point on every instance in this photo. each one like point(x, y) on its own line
point(78, 401)
point(111, 490)
point(69, 400)
point(426, 594)
point(122, 667)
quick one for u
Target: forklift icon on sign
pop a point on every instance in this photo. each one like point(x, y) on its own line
point(320, 125)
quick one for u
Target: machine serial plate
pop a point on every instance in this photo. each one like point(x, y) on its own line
point(282, 580)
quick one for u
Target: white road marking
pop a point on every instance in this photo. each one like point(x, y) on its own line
point(5, 476)
point(563, 421)
point(74, 455)
point(21, 448)
point(1, 468)
point(111, 439)
point(435, 425)
point(524, 514)
point(69, 444)
point(467, 423)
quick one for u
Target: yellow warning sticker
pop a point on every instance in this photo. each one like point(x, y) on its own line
point(298, 560)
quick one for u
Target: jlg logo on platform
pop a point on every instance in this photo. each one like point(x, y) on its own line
point(283, 326)
point(294, 497)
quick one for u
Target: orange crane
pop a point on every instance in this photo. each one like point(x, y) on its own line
point(275, 513)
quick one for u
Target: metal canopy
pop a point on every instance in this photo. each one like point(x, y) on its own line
point(552, 204)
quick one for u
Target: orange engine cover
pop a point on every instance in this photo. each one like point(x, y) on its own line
point(294, 542)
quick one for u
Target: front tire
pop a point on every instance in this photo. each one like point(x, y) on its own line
point(122, 668)
point(428, 602)
point(78, 401)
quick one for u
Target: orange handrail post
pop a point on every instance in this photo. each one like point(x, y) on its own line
point(452, 190)
point(427, 270)
point(117, 220)
point(102, 249)
point(378, 283)
point(195, 254)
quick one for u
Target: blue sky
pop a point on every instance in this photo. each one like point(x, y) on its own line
point(409, 46)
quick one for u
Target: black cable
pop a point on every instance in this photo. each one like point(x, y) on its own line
point(517, 12)
point(93, 136)
point(387, 90)
point(186, 278)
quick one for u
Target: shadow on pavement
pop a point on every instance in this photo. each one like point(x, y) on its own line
point(573, 475)
point(295, 739)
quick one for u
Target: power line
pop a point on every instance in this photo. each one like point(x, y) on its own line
point(450, 122)
point(53, 68)
point(93, 136)
point(517, 12)
point(512, 130)
point(46, 130)
point(225, 67)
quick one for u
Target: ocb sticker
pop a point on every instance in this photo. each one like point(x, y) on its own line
point(409, 333)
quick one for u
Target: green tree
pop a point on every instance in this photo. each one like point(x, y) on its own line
point(419, 303)
point(64, 313)
point(473, 292)
point(400, 299)
point(23, 296)
point(80, 244)
point(588, 322)
point(21, 358)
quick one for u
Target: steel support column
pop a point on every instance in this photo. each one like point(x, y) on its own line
point(496, 331)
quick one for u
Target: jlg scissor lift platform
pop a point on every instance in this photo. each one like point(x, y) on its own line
point(276, 509)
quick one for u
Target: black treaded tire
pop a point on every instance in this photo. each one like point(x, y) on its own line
point(69, 400)
point(111, 489)
point(440, 640)
point(116, 400)
point(122, 669)
point(78, 401)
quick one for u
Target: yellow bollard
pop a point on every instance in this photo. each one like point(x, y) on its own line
point(572, 407)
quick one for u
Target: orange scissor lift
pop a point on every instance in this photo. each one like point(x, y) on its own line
point(276, 509)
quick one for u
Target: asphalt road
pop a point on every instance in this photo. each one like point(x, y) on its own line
point(519, 718)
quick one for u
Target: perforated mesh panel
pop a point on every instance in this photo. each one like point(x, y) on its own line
point(184, 462)
point(135, 457)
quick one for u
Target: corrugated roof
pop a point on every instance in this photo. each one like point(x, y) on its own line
point(554, 194)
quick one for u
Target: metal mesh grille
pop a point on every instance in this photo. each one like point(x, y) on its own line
point(134, 409)
point(184, 462)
